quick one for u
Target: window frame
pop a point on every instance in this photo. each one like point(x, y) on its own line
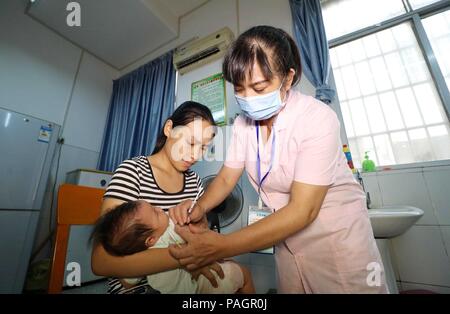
point(415, 18)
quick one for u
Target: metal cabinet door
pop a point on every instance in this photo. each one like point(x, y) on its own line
point(17, 229)
point(22, 159)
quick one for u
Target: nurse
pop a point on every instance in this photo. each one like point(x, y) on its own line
point(289, 145)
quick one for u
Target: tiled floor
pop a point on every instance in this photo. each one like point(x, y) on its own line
point(99, 287)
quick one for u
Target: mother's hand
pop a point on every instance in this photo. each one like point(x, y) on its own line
point(207, 271)
point(203, 247)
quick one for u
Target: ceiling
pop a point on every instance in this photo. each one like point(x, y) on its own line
point(117, 31)
point(181, 7)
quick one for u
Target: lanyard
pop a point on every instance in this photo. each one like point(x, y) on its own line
point(258, 163)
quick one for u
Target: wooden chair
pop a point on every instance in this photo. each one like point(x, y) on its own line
point(77, 205)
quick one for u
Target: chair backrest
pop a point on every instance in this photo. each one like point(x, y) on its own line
point(77, 205)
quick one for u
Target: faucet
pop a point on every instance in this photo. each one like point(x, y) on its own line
point(361, 181)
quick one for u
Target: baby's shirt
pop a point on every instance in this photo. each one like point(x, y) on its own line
point(175, 280)
point(171, 281)
point(168, 237)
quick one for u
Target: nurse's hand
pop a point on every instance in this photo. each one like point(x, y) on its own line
point(203, 247)
point(180, 215)
point(201, 224)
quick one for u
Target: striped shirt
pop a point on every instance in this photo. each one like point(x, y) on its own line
point(134, 180)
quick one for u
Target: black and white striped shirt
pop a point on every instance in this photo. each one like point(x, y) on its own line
point(134, 180)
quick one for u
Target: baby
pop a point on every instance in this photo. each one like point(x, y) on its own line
point(136, 226)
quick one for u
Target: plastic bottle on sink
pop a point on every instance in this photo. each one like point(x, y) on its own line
point(368, 165)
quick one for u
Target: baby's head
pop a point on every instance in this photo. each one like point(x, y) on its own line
point(130, 228)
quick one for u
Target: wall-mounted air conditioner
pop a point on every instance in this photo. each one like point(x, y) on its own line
point(201, 51)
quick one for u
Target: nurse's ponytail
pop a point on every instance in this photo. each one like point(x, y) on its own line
point(295, 59)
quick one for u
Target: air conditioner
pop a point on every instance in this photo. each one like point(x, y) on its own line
point(201, 51)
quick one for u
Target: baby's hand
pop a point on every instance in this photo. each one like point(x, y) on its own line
point(197, 214)
point(179, 213)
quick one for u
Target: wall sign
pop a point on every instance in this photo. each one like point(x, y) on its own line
point(210, 92)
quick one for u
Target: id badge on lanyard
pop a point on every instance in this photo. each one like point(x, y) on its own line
point(257, 212)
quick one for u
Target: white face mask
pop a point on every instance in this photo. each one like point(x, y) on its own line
point(261, 107)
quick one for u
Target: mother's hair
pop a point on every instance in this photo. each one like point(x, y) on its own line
point(183, 115)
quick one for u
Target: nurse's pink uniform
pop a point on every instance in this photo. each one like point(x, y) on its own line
point(337, 252)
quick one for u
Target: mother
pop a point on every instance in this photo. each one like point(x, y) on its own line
point(162, 179)
point(289, 144)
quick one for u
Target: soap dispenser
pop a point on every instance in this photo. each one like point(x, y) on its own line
point(368, 165)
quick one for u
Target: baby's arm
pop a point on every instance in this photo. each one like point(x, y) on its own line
point(248, 286)
point(237, 279)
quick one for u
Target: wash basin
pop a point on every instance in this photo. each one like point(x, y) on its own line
point(392, 221)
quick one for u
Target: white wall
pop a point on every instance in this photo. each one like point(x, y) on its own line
point(88, 109)
point(34, 79)
point(238, 15)
point(45, 76)
point(421, 256)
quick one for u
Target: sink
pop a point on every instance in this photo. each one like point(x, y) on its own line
point(392, 221)
point(389, 222)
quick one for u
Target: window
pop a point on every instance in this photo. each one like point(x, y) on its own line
point(345, 16)
point(416, 4)
point(438, 31)
point(388, 98)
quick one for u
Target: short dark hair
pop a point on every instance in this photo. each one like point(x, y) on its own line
point(262, 44)
point(183, 115)
point(118, 231)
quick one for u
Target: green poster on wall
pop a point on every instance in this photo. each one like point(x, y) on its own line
point(211, 93)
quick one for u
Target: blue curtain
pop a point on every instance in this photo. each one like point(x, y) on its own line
point(311, 38)
point(140, 104)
